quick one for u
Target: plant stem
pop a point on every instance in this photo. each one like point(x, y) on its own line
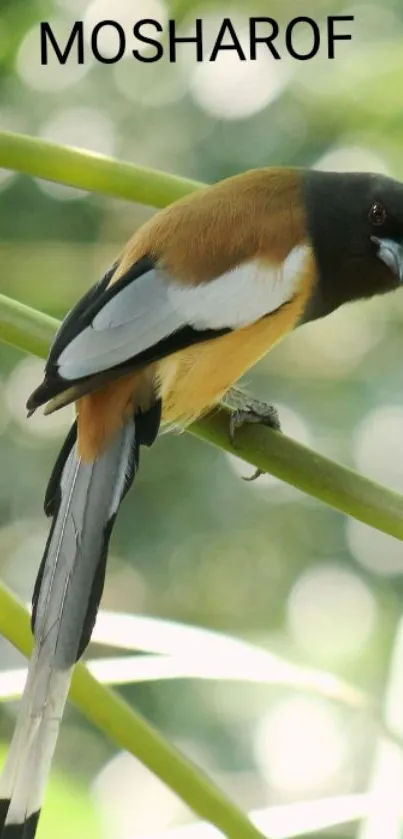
point(86, 170)
point(335, 485)
point(275, 453)
point(18, 327)
point(130, 731)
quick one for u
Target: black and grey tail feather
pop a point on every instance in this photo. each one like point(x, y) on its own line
point(83, 499)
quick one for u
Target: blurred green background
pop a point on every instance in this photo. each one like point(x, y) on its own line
point(194, 542)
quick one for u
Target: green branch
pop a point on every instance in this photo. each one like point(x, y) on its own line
point(24, 328)
point(277, 454)
point(104, 708)
point(335, 485)
point(93, 172)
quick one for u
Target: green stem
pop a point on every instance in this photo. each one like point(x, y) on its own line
point(104, 708)
point(335, 485)
point(20, 327)
point(93, 172)
point(277, 454)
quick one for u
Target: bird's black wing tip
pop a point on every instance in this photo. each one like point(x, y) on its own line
point(4, 805)
point(23, 830)
point(51, 386)
point(38, 397)
point(148, 424)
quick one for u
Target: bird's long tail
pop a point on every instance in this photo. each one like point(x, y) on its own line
point(83, 499)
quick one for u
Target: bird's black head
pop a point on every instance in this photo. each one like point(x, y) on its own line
point(355, 222)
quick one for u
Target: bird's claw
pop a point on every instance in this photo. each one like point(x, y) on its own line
point(257, 473)
point(253, 412)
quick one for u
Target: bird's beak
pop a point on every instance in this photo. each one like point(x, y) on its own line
point(391, 253)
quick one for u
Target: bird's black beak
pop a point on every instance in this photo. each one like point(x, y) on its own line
point(391, 253)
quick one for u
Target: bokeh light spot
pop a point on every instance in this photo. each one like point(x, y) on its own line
point(300, 745)
point(126, 14)
point(22, 380)
point(22, 544)
point(229, 87)
point(4, 413)
point(378, 446)
point(352, 159)
point(377, 552)
point(336, 345)
point(331, 613)
point(156, 807)
point(53, 76)
point(153, 85)
point(81, 127)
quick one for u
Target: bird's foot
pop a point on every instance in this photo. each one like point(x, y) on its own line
point(247, 410)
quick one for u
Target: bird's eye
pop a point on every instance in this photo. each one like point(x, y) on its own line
point(377, 214)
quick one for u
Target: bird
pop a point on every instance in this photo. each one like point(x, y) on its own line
point(200, 293)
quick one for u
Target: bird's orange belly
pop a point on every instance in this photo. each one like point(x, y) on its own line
point(195, 379)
